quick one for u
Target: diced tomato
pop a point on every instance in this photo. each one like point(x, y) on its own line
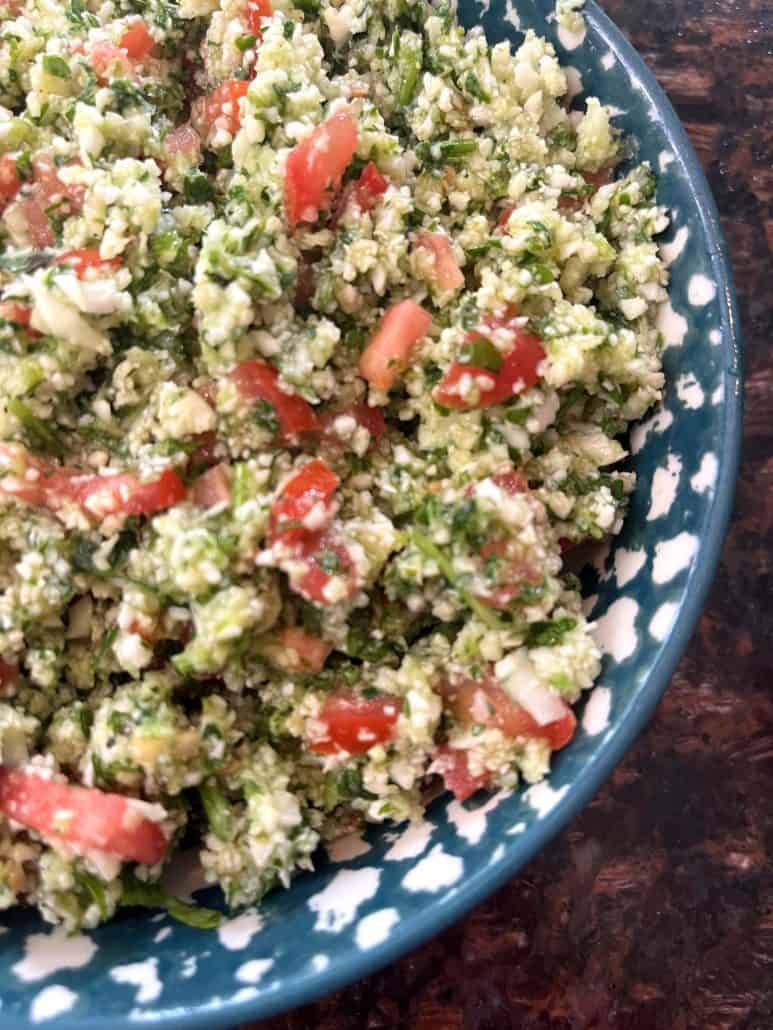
point(255, 380)
point(453, 765)
point(87, 260)
point(254, 13)
point(84, 817)
point(212, 487)
point(19, 314)
point(484, 703)
point(511, 576)
point(137, 40)
point(503, 219)
point(207, 452)
point(9, 673)
point(110, 61)
point(124, 494)
point(363, 192)
point(314, 578)
point(350, 722)
point(221, 106)
point(34, 481)
point(513, 481)
point(519, 371)
point(30, 208)
point(363, 414)
point(389, 350)
point(305, 504)
point(50, 190)
point(447, 275)
point(315, 166)
point(183, 140)
point(310, 652)
point(10, 183)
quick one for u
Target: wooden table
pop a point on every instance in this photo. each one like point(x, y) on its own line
point(654, 910)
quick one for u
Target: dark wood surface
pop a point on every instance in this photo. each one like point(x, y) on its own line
point(654, 910)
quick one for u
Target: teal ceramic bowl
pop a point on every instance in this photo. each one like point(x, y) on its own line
point(387, 895)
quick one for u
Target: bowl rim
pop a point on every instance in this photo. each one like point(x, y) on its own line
point(440, 912)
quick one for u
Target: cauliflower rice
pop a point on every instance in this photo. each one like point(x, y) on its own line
point(321, 325)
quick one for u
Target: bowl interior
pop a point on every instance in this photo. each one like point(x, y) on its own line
point(384, 895)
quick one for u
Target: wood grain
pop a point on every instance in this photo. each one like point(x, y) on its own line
point(654, 910)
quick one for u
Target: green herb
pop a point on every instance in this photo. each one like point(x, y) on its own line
point(481, 353)
point(218, 810)
point(40, 436)
point(197, 188)
point(94, 888)
point(548, 634)
point(409, 68)
point(24, 165)
point(447, 152)
point(310, 7)
point(25, 261)
point(329, 562)
point(288, 29)
point(85, 720)
point(150, 895)
point(244, 43)
point(474, 88)
point(57, 66)
point(444, 564)
point(266, 417)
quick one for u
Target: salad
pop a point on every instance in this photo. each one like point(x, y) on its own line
point(320, 327)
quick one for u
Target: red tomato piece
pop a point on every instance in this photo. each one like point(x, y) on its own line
point(503, 219)
point(389, 350)
point(453, 765)
point(447, 275)
point(350, 722)
point(485, 703)
point(448, 391)
point(9, 673)
point(254, 13)
point(364, 192)
point(221, 106)
point(183, 140)
point(519, 371)
point(19, 314)
point(10, 183)
point(603, 177)
point(363, 414)
point(306, 497)
point(315, 166)
point(81, 816)
point(313, 580)
point(255, 380)
point(212, 487)
point(124, 494)
point(137, 40)
point(111, 62)
point(310, 652)
point(87, 260)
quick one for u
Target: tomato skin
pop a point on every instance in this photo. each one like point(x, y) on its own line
point(453, 765)
point(447, 395)
point(38, 482)
point(254, 13)
point(315, 165)
point(364, 192)
point(10, 183)
point(310, 489)
point(31, 205)
point(137, 40)
point(354, 723)
point(19, 314)
point(389, 350)
point(363, 414)
point(447, 275)
point(222, 106)
point(87, 260)
point(9, 673)
point(312, 652)
point(212, 487)
point(255, 380)
point(519, 371)
point(81, 816)
point(485, 703)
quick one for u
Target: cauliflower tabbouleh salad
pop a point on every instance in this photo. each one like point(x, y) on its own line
point(320, 324)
